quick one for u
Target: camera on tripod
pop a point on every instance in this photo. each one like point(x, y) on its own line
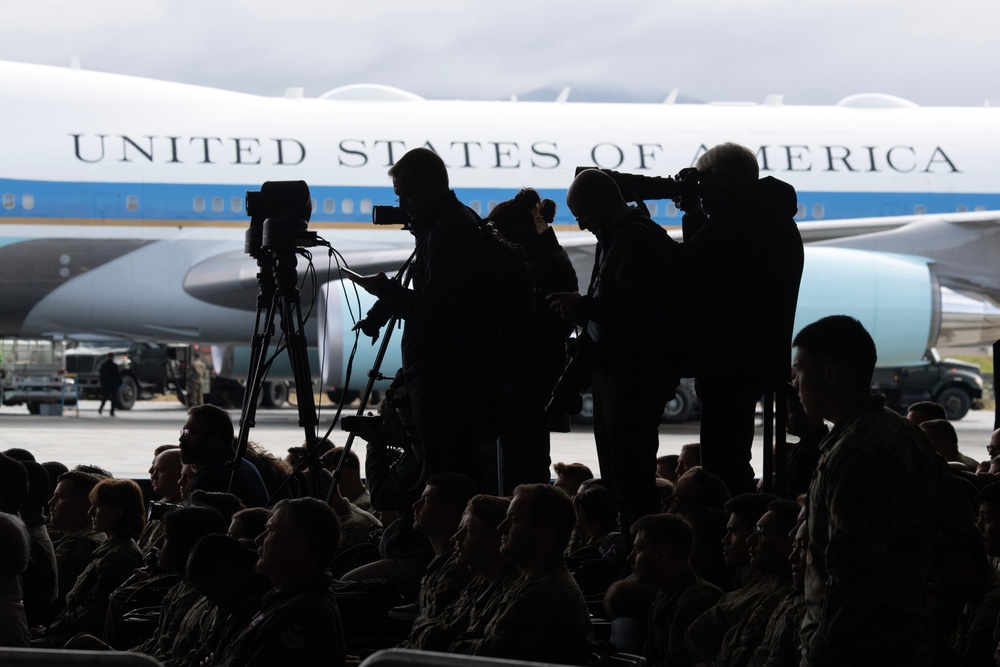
point(684, 187)
point(279, 217)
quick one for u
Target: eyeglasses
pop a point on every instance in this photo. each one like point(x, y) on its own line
point(186, 434)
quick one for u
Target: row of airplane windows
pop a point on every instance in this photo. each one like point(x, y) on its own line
point(218, 204)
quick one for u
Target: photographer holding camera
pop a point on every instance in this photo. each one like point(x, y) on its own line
point(627, 315)
point(451, 339)
point(741, 233)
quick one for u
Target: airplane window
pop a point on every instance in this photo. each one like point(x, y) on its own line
point(312, 204)
point(8, 200)
point(217, 204)
point(801, 213)
point(818, 211)
point(671, 210)
point(28, 202)
point(199, 204)
point(919, 209)
point(329, 206)
point(132, 203)
point(236, 204)
point(653, 209)
point(962, 208)
point(366, 206)
point(492, 205)
point(476, 206)
point(347, 206)
point(979, 207)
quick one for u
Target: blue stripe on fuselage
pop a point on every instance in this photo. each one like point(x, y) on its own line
point(122, 202)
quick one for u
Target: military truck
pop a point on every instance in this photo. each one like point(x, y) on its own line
point(32, 373)
point(147, 369)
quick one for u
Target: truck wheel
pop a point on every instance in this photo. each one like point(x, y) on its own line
point(586, 414)
point(679, 409)
point(127, 393)
point(956, 402)
point(274, 394)
point(34, 407)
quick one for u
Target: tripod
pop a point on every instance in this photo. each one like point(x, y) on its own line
point(277, 233)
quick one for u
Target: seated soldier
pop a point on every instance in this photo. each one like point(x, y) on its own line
point(249, 523)
point(14, 552)
point(69, 513)
point(661, 557)
point(164, 477)
point(117, 511)
point(781, 643)
point(706, 634)
point(224, 570)
point(944, 439)
point(543, 616)
point(690, 457)
point(40, 579)
point(770, 544)
point(299, 623)
point(436, 514)
point(477, 547)
point(697, 488)
point(350, 484)
point(569, 476)
point(923, 411)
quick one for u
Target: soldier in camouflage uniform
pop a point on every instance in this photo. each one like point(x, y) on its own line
point(543, 616)
point(770, 545)
point(661, 557)
point(884, 511)
point(706, 634)
point(780, 645)
point(117, 511)
point(68, 512)
point(299, 622)
point(436, 514)
point(477, 548)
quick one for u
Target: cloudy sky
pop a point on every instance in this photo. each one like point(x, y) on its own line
point(811, 51)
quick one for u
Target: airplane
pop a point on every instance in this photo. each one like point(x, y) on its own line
point(122, 200)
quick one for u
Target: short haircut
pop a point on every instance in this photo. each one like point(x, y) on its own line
point(738, 163)
point(253, 520)
point(123, 494)
point(989, 494)
point(943, 428)
point(55, 470)
point(750, 507)
point(214, 421)
point(596, 505)
point(214, 554)
point(577, 472)
point(421, 167)
point(186, 525)
point(13, 484)
point(454, 489)
point(163, 448)
point(667, 459)
point(38, 485)
point(15, 545)
point(95, 470)
point(929, 409)
point(226, 504)
point(19, 454)
point(491, 510)
point(840, 339)
point(551, 505)
point(786, 511)
point(80, 483)
point(716, 493)
point(332, 458)
point(666, 530)
point(315, 523)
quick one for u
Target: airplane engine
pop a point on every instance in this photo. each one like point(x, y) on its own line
point(894, 296)
point(338, 307)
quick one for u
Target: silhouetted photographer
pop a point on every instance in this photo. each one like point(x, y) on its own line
point(742, 235)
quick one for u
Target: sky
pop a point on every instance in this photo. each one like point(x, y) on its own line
point(810, 51)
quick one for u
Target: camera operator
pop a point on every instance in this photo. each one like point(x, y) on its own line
point(451, 337)
point(626, 314)
point(742, 233)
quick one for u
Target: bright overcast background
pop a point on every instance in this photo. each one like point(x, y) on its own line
point(933, 52)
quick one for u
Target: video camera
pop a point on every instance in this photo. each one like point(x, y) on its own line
point(684, 187)
point(279, 216)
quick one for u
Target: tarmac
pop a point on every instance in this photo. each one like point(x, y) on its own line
point(124, 444)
